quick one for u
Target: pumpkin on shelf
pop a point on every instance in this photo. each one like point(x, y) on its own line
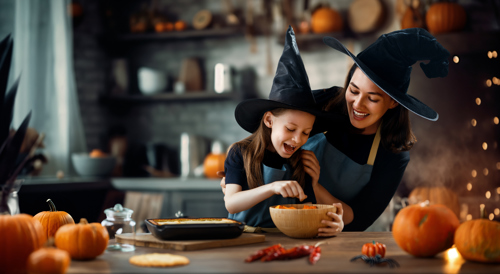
point(48, 260)
point(479, 240)
point(83, 241)
point(325, 19)
point(436, 195)
point(53, 219)
point(21, 235)
point(424, 230)
point(445, 17)
point(213, 162)
point(412, 18)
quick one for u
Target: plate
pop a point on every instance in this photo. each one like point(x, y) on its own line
point(195, 228)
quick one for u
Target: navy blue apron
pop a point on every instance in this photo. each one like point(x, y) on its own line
point(258, 217)
point(340, 175)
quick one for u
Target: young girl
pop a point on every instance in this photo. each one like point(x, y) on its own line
point(266, 169)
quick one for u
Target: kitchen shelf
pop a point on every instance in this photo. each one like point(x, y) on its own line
point(175, 35)
point(168, 97)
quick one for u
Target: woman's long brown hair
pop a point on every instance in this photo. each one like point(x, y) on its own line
point(396, 130)
point(253, 148)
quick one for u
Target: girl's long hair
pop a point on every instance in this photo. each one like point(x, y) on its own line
point(396, 131)
point(253, 148)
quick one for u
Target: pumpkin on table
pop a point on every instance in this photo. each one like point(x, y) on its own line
point(326, 19)
point(373, 249)
point(424, 230)
point(21, 235)
point(479, 240)
point(444, 17)
point(53, 219)
point(83, 241)
point(48, 260)
point(436, 195)
point(213, 162)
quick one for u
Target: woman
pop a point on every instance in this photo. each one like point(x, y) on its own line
point(363, 162)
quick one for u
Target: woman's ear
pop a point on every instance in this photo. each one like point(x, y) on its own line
point(393, 104)
point(268, 119)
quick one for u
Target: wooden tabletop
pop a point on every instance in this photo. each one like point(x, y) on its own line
point(336, 254)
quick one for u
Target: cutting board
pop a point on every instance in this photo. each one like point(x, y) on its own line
point(148, 240)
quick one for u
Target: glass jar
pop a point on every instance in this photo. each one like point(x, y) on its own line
point(119, 221)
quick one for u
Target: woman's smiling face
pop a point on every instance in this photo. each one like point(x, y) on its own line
point(366, 103)
point(289, 130)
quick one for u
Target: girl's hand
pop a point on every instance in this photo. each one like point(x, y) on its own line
point(335, 226)
point(223, 181)
point(311, 165)
point(288, 189)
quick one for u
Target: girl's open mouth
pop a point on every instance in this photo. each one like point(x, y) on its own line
point(359, 115)
point(289, 148)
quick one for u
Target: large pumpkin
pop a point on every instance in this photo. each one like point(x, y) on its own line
point(424, 230)
point(53, 219)
point(20, 236)
point(83, 241)
point(479, 240)
point(325, 20)
point(436, 195)
point(444, 17)
point(213, 162)
point(48, 260)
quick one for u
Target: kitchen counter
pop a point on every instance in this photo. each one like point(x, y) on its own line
point(166, 184)
point(336, 254)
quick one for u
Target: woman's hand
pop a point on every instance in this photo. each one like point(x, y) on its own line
point(223, 181)
point(311, 165)
point(288, 189)
point(335, 226)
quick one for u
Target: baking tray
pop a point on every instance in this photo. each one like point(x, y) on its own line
point(183, 231)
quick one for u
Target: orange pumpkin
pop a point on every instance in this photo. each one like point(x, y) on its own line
point(213, 162)
point(180, 25)
point(412, 19)
point(479, 240)
point(21, 235)
point(436, 195)
point(444, 17)
point(48, 260)
point(53, 219)
point(373, 248)
point(325, 20)
point(424, 230)
point(83, 241)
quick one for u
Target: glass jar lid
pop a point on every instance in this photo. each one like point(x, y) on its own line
point(118, 211)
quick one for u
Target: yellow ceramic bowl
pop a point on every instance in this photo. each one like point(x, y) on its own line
point(301, 223)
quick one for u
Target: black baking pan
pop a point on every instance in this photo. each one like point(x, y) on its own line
point(198, 231)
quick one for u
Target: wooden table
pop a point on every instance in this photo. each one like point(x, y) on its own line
point(336, 254)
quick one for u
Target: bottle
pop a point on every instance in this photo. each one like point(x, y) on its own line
point(119, 221)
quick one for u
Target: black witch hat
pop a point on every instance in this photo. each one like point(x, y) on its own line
point(290, 90)
point(388, 63)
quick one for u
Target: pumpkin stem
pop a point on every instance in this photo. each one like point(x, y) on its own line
point(83, 221)
point(373, 242)
point(52, 206)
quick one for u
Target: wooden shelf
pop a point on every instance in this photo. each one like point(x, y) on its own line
point(176, 35)
point(168, 97)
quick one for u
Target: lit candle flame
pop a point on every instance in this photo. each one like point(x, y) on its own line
point(453, 260)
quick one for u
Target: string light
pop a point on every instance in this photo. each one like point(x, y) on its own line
point(478, 101)
point(492, 216)
point(498, 167)
point(496, 80)
point(456, 59)
point(488, 194)
point(469, 217)
point(485, 146)
point(498, 190)
point(488, 84)
point(490, 54)
point(496, 211)
point(496, 121)
point(473, 122)
point(486, 172)
point(474, 173)
point(469, 186)
point(494, 54)
point(481, 206)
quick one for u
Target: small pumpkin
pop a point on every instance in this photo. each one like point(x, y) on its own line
point(373, 248)
point(48, 260)
point(444, 17)
point(83, 241)
point(326, 19)
point(53, 219)
point(213, 162)
point(412, 19)
point(21, 235)
point(436, 195)
point(479, 240)
point(424, 230)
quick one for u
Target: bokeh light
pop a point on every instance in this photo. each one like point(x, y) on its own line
point(496, 121)
point(456, 59)
point(473, 122)
point(469, 186)
point(487, 194)
point(473, 173)
point(488, 84)
point(486, 172)
point(478, 101)
point(485, 145)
